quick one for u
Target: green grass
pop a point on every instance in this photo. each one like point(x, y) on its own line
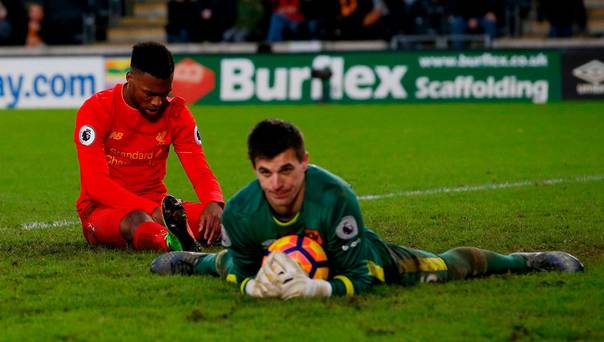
point(53, 286)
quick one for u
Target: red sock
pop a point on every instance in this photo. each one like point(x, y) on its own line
point(150, 236)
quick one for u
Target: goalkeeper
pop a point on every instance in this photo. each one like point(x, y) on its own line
point(291, 196)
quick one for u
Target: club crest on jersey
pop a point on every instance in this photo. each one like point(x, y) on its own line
point(161, 137)
point(347, 228)
point(313, 234)
point(87, 135)
point(225, 239)
point(197, 136)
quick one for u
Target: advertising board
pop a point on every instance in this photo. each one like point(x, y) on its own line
point(347, 77)
point(583, 74)
point(49, 82)
point(372, 76)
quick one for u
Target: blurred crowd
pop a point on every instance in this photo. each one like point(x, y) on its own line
point(279, 20)
point(63, 22)
point(52, 22)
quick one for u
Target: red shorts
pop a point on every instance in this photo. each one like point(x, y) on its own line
point(102, 226)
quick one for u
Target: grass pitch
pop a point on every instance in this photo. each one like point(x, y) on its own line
point(53, 286)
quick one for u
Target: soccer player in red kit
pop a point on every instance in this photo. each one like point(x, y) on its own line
point(123, 136)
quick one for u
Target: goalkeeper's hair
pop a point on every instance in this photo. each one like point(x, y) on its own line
point(271, 137)
point(152, 58)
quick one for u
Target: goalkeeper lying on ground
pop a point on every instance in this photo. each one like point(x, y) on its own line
point(292, 197)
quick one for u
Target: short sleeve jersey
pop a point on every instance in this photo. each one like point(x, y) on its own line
point(330, 214)
point(123, 156)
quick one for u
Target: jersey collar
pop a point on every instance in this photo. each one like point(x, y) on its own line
point(288, 223)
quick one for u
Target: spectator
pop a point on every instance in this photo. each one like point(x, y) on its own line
point(182, 20)
point(247, 23)
point(362, 19)
point(319, 17)
point(472, 16)
point(100, 10)
point(562, 15)
point(6, 29)
point(286, 19)
point(13, 22)
point(410, 17)
point(62, 21)
point(35, 14)
point(511, 14)
point(215, 16)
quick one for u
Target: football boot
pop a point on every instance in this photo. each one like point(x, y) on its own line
point(551, 261)
point(175, 219)
point(176, 263)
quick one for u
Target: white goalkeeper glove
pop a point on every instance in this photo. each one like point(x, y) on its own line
point(265, 284)
point(294, 282)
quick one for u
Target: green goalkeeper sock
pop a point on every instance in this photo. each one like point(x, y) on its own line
point(498, 263)
point(469, 262)
point(207, 265)
point(215, 264)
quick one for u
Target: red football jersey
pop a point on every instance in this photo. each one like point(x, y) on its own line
point(123, 156)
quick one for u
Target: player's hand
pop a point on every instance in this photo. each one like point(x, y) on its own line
point(372, 17)
point(209, 222)
point(265, 284)
point(293, 281)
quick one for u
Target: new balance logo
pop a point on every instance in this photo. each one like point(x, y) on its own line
point(116, 135)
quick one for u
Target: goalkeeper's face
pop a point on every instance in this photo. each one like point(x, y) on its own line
point(282, 180)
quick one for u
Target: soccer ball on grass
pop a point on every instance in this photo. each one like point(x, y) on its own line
point(306, 252)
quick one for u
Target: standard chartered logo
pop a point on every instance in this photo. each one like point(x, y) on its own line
point(468, 87)
point(241, 80)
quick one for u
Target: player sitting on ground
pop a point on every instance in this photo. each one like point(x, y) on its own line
point(123, 137)
point(290, 196)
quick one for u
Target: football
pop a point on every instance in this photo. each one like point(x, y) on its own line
point(306, 252)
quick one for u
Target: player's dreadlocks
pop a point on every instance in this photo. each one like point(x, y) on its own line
point(271, 137)
point(152, 58)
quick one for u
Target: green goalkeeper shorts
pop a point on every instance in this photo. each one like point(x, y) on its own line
point(416, 266)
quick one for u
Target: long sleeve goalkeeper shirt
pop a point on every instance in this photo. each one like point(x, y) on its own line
point(330, 215)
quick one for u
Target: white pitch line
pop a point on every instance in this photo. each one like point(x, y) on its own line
point(55, 224)
point(482, 187)
point(467, 188)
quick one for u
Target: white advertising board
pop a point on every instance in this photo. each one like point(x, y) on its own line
point(49, 82)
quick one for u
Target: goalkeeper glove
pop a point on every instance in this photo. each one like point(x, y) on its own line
point(294, 282)
point(264, 285)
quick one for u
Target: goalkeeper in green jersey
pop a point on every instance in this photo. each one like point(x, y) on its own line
point(291, 196)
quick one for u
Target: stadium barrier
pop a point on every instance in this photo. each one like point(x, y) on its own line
point(537, 76)
point(434, 41)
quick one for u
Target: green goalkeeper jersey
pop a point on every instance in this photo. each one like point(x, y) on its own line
point(330, 215)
